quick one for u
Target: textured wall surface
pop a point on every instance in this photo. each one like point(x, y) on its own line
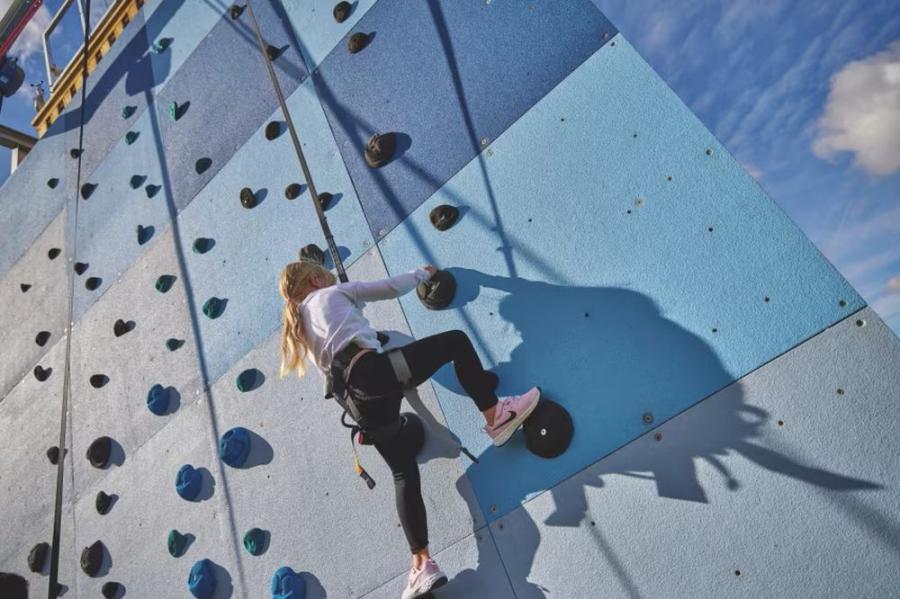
point(608, 249)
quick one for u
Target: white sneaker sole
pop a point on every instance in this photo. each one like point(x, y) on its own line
point(514, 425)
point(438, 580)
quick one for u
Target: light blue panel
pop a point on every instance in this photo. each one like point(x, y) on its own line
point(599, 280)
point(778, 477)
point(253, 245)
point(316, 29)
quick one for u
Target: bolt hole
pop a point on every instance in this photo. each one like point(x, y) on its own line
point(710, 229)
point(669, 178)
point(781, 423)
point(658, 436)
point(715, 330)
point(586, 314)
point(634, 136)
point(593, 523)
point(612, 43)
point(860, 323)
point(737, 572)
point(529, 220)
point(708, 152)
point(628, 211)
point(840, 391)
point(766, 299)
point(562, 119)
point(842, 303)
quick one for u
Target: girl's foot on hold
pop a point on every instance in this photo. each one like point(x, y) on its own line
point(424, 580)
point(510, 413)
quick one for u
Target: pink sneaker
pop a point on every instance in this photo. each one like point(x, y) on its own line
point(422, 582)
point(511, 413)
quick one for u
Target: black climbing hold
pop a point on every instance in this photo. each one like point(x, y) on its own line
point(249, 380)
point(287, 584)
point(188, 482)
point(235, 11)
point(103, 502)
point(144, 234)
point(53, 455)
point(158, 399)
point(444, 216)
point(92, 559)
point(202, 580)
point(128, 110)
point(548, 430)
point(120, 327)
point(99, 451)
point(52, 183)
point(131, 137)
point(213, 307)
point(110, 590)
point(312, 253)
point(438, 291)
point(172, 344)
point(164, 283)
point(177, 543)
point(325, 200)
point(273, 130)
point(341, 11)
point(13, 586)
point(87, 189)
point(202, 245)
point(80, 268)
point(75, 152)
point(98, 380)
point(234, 446)
point(52, 253)
point(357, 42)
point(41, 373)
point(255, 541)
point(24, 287)
point(37, 557)
point(161, 45)
point(413, 431)
point(380, 149)
point(152, 190)
point(42, 337)
point(136, 181)
point(202, 165)
point(272, 52)
point(93, 283)
point(293, 191)
point(248, 200)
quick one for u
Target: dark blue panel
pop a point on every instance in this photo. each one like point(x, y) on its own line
point(228, 95)
point(449, 76)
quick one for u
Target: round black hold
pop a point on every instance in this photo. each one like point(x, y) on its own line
point(272, 52)
point(202, 245)
point(24, 287)
point(413, 431)
point(37, 557)
point(120, 327)
point(438, 291)
point(98, 380)
point(235, 11)
point(202, 165)
point(172, 344)
point(548, 430)
point(92, 559)
point(75, 153)
point(341, 11)
point(52, 253)
point(312, 253)
point(53, 455)
point(110, 590)
point(293, 191)
point(380, 149)
point(80, 268)
point(136, 181)
point(93, 283)
point(248, 200)
point(325, 199)
point(357, 42)
point(87, 189)
point(42, 338)
point(41, 373)
point(99, 451)
point(52, 183)
point(103, 502)
point(273, 130)
point(164, 283)
point(444, 216)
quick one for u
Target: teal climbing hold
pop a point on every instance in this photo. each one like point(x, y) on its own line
point(174, 110)
point(202, 245)
point(234, 446)
point(52, 182)
point(213, 307)
point(249, 380)
point(131, 137)
point(158, 399)
point(127, 111)
point(255, 541)
point(164, 283)
point(287, 584)
point(172, 344)
point(161, 45)
point(188, 482)
point(177, 543)
point(202, 580)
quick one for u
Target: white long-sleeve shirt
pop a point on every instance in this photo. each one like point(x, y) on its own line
point(332, 316)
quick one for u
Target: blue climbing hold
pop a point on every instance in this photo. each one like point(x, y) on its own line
point(188, 482)
point(287, 584)
point(202, 580)
point(234, 446)
point(158, 399)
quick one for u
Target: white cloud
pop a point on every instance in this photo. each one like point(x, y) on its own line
point(30, 40)
point(893, 285)
point(862, 114)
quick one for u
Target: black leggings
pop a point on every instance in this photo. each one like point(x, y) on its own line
point(378, 396)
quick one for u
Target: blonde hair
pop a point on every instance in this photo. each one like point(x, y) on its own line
point(294, 285)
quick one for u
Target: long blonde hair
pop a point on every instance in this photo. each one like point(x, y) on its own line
point(294, 285)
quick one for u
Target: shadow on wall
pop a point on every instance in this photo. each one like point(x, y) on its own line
point(628, 343)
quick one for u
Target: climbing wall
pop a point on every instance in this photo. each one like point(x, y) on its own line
point(733, 398)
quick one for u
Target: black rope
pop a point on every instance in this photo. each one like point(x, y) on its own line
point(60, 470)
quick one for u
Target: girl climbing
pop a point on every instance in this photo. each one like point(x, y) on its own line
point(323, 321)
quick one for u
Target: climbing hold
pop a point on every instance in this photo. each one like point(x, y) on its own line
point(312, 253)
point(188, 482)
point(438, 291)
point(110, 589)
point(357, 42)
point(52, 253)
point(255, 541)
point(165, 282)
point(53, 455)
point(213, 307)
point(98, 380)
point(120, 327)
point(144, 234)
point(202, 165)
point(272, 52)
point(87, 189)
point(24, 287)
point(177, 543)
point(103, 502)
point(548, 430)
point(235, 11)
point(75, 152)
point(41, 373)
point(99, 451)
point(160, 45)
point(174, 110)
point(248, 200)
point(80, 268)
point(234, 446)
point(172, 344)
point(128, 110)
point(273, 130)
point(444, 216)
point(287, 584)
point(52, 182)
point(42, 337)
point(93, 283)
point(202, 580)
point(249, 380)
point(158, 399)
point(152, 190)
point(325, 200)
point(293, 191)
point(131, 137)
point(380, 149)
point(37, 557)
point(136, 181)
point(202, 245)
point(92, 559)
point(341, 11)
point(383, 338)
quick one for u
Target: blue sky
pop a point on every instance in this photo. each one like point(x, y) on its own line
point(806, 95)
